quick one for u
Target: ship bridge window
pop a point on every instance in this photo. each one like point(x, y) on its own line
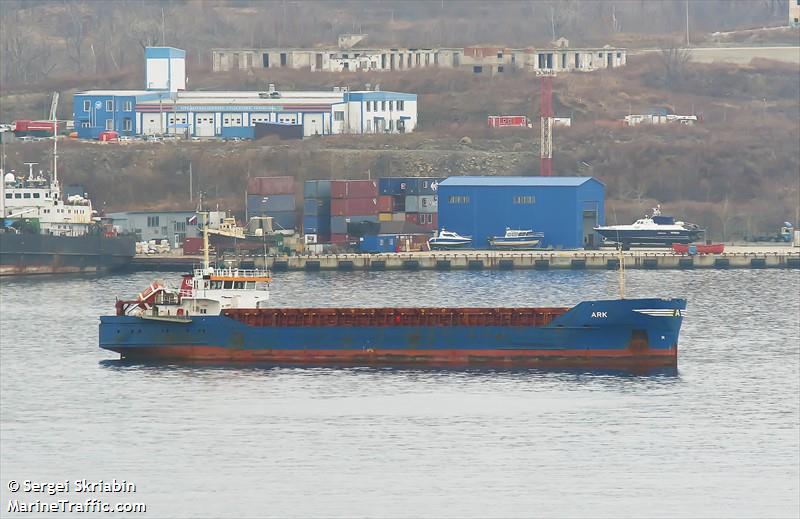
point(17, 195)
point(8, 195)
point(216, 285)
point(26, 195)
point(238, 285)
point(228, 284)
point(262, 285)
point(250, 285)
point(36, 195)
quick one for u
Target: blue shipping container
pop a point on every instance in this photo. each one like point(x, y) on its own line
point(380, 243)
point(317, 206)
point(424, 186)
point(317, 189)
point(270, 203)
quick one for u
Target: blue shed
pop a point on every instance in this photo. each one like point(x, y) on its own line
point(565, 209)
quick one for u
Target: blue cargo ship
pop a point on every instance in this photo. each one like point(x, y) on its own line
point(223, 315)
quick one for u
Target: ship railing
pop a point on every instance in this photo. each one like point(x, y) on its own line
point(234, 272)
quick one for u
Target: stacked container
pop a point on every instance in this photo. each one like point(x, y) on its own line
point(317, 209)
point(414, 199)
point(275, 197)
point(354, 208)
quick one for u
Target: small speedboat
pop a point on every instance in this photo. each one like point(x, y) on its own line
point(447, 240)
point(517, 239)
point(652, 230)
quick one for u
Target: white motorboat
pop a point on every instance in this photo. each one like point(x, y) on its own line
point(652, 230)
point(517, 239)
point(447, 240)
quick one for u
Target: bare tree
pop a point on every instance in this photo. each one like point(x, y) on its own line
point(76, 33)
point(674, 60)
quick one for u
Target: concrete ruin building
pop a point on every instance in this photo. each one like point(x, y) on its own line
point(349, 55)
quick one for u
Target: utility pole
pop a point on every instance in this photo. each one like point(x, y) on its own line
point(687, 24)
point(190, 182)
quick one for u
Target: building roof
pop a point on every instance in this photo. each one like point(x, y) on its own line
point(516, 181)
point(113, 92)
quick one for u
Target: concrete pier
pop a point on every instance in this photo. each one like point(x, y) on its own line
point(735, 257)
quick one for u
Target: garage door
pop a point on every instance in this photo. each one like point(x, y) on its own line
point(312, 124)
point(151, 124)
point(204, 125)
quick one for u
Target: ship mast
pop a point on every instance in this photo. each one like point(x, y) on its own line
point(53, 107)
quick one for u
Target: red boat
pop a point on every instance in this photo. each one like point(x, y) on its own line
point(684, 248)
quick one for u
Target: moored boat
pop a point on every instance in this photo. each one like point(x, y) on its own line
point(516, 239)
point(655, 230)
point(222, 315)
point(448, 240)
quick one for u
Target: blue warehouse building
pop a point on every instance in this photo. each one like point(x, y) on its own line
point(565, 209)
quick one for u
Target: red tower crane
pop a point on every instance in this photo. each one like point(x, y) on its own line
point(546, 113)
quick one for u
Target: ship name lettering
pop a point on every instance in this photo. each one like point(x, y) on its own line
point(602, 315)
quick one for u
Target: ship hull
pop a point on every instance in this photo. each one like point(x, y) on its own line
point(593, 334)
point(26, 254)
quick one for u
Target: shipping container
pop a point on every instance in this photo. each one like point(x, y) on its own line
point(424, 186)
point(317, 206)
point(398, 204)
point(395, 186)
point(317, 189)
point(341, 224)
point(270, 203)
point(385, 204)
point(354, 188)
point(270, 186)
point(316, 225)
point(384, 217)
point(380, 243)
point(353, 206)
point(508, 121)
point(283, 219)
point(427, 220)
point(421, 204)
point(193, 246)
point(399, 217)
point(340, 239)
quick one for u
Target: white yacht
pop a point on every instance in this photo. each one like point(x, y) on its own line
point(447, 240)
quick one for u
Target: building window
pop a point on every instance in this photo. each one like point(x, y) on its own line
point(180, 226)
point(401, 105)
point(338, 115)
point(525, 199)
point(87, 105)
point(86, 124)
point(458, 199)
point(110, 105)
point(477, 69)
point(368, 106)
point(383, 105)
point(128, 106)
point(391, 105)
point(8, 195)
point(152, 221)
point(500, 68)
point(391, 125)
point(369, 125)
point(127, 124)
point(109, 124)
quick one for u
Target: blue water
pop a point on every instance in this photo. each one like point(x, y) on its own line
point(721, 438)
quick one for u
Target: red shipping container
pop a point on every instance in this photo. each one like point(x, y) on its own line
point(354, 188)
point(412, 217)
point(270, 186)
point(340, 238)
point(193, 246)
point(354, 206)
point(505, 121)
point(429, 221)
point(385, 204)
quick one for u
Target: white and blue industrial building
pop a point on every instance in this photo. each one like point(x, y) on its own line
point(166, 107)
point(565, 209)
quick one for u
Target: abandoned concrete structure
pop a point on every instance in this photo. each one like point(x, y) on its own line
point(489, 60)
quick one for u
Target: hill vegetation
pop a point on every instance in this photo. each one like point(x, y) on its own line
point(737, 172)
